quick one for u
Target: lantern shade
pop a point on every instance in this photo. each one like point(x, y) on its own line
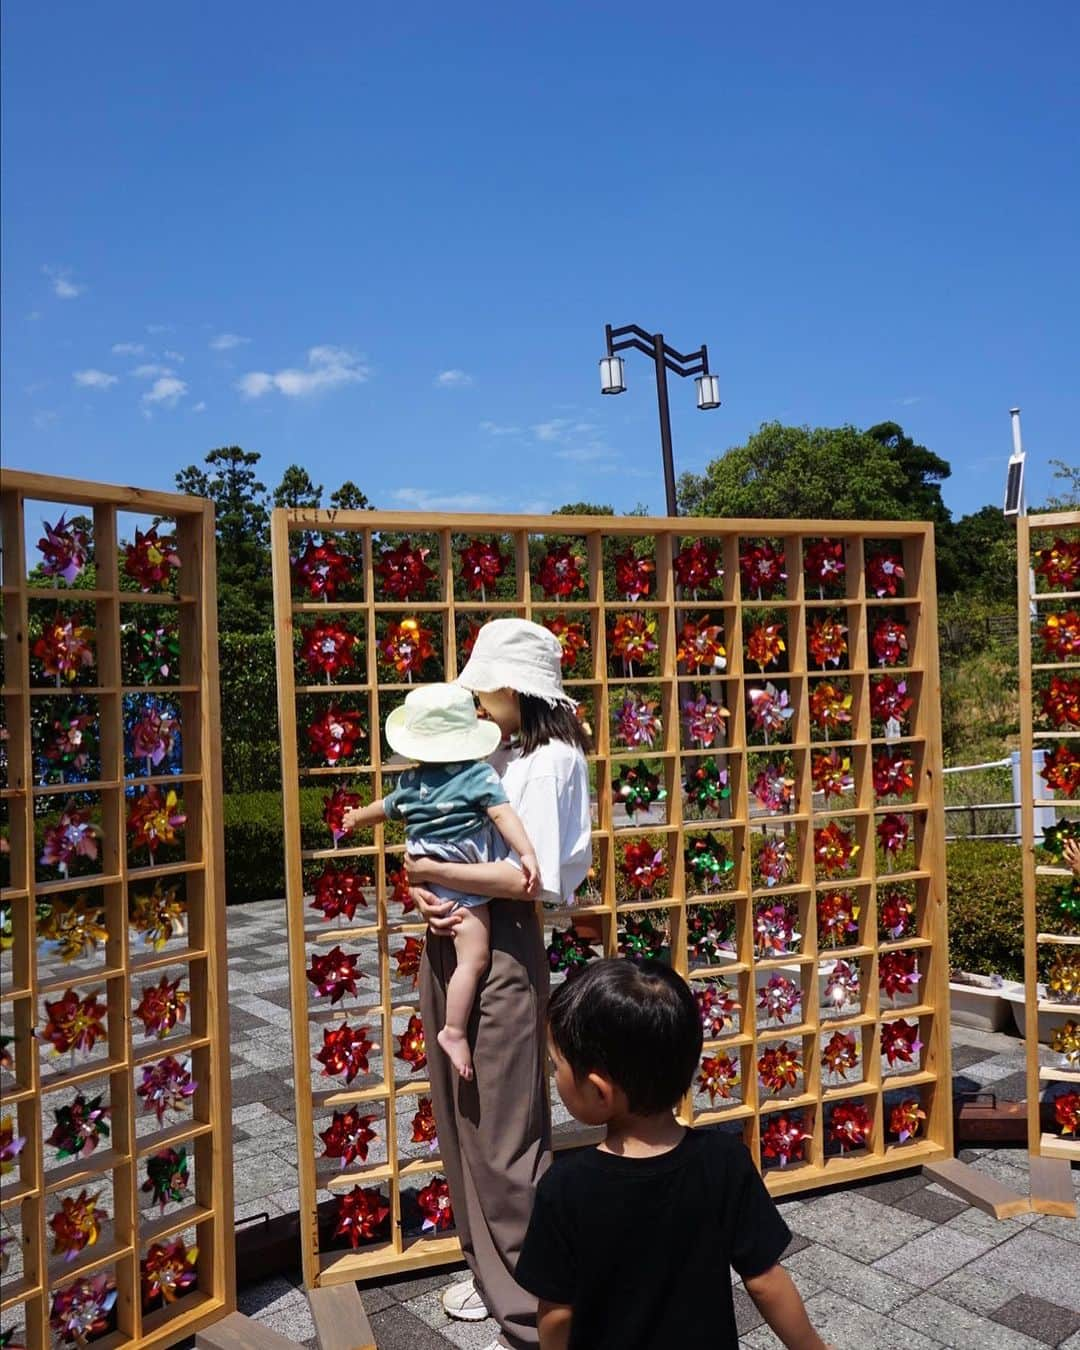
point(708, 392)
point(611, 375)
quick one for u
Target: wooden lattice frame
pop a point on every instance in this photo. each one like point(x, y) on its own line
point(930, 1076)
point(1034, 606)
point(205, 1128)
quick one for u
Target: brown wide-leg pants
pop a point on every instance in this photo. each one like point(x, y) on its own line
point(495, 1132)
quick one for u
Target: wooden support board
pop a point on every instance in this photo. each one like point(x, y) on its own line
point(1037, 600)
point(707, 929)
point(978, 1189)
point(121, 965)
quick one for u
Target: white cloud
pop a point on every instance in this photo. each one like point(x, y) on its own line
point(155, 328)
point(151, 371)
point(422, 499)
point(586, 454)
point(497, 429)
point(453, 379)
point(910, 400)
point(44, 419)
point(170, 355)
point(94, 379)
point(62, 285)
point(128, 349)
point(34, 315)
point(328, 368)
point(199, 407)
point(561, 429)
point(225, 342)
point(167, 391)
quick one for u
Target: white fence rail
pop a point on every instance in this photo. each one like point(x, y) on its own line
point(1044, 815)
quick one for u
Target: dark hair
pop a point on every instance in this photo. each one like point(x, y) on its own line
point(540, 723)
point(636, 1024)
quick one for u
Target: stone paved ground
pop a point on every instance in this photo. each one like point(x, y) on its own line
point(894, 1263)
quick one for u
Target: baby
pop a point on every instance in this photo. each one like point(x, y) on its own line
point(454, 809)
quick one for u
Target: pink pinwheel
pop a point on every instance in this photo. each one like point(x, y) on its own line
point(770, 708)
point(64, 549)
point(153, 736)
point(73, 836)
point(704, 720)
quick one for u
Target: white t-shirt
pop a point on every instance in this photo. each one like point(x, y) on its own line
point(549, 790)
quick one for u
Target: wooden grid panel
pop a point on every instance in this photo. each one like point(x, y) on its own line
point(122, 966)
point(601, 684)
point(1037, 600)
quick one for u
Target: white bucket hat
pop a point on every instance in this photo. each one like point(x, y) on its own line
point(437, 724)
point(519, 655)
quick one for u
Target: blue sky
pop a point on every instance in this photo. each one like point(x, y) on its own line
point(384, 242)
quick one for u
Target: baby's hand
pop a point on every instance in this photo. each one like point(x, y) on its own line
point(531, 869)
point(1071, 850)
point(350, 817)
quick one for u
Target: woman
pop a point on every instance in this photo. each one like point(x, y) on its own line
point(495, 1131)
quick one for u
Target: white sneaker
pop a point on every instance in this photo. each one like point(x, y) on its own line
point(462, 1302)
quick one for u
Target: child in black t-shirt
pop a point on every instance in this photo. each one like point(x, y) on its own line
point(631, 1243)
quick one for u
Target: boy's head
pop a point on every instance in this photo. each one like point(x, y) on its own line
point(623, 1037)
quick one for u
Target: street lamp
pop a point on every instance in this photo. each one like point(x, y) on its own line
point(665, 358)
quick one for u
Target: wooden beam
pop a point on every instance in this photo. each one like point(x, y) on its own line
point(991, 1196)
point(1051, 1187)
point(237, 1332)
point(340, 1320)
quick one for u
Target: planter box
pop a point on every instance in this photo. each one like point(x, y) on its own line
point(980, 1002)
point(1047, 1020)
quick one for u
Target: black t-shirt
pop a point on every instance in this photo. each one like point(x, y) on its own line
point(640, 1248)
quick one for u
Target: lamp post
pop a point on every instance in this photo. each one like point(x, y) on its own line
point(665, 358)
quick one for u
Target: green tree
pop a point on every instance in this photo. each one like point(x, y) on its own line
point(348, 497)
point(1067, 498)
point(296, 489)
point(923, 471)
point(583, 509)
point(976, 556)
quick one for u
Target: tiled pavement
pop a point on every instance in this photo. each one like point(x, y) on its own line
point(893, 1263)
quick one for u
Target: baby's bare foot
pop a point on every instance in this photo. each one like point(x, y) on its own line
point(456, 1045)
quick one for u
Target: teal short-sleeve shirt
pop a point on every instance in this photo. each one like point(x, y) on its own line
point(445, 801)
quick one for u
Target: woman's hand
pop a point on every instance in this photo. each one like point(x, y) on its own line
point(441, 916)
point(1071, 851)
point(418, 869)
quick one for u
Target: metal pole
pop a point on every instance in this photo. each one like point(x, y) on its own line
point(665, 424)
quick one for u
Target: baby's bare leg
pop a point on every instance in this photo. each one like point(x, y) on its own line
point(472, 947)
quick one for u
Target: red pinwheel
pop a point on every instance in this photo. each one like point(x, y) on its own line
point(80, 1311)
point(71, 740)
point(703, 719)
point(154, 819)
point(765, 646)
point(884, 572)
point(65, 647)
point(841, 986)
point(322, 570)
point(334, 735)
point(837, 915)
point(73, 836)
point(779, 1067)
point(632, 638)
point(398, 884)
point(784, 1138)
point(896, 913)
point(897, 973)
point(168, 1271)
point(406, 647)
point(336, 806)
point(716, 1006)
point(1059, 564)
point(905, 1119)
point(637, 722)
point(770, 708)
point(643, 866)
point(1061, 770)
point(1067, 1112)
point(1061, 701)
point(434, 1204)
point(831, 773)
point(633, 575)
point(775, 929)
point(482, 564)
point(893, 832)
point(559, 573)
point(403, 572)
point(348, 1136)
point(76, 1225)
point(345, 1051)
point(774, 786)
point(716, 1076)
point(779, 997)
point(772, 862)
point(840, 1053)
point(153, 736)
point(166, 1086)
point(889, 699)
point(328, 647)
point(408, 957)
point(339, 890)
point(572, 639)
point(151, 559)
point(362, 1215)
point(424, 1129)
point(825, 564)
point(697, 566)
point(162, 1006)
point(826, 641)
point(834, 848)
point(893, 774)
point(412, 1047)
point(762, 569)
point(334, 974)
point(74, 1023)
point(849, 1124)
point(1061, 635)
point(900, 1042)
point(65, 549)
point(889, 642)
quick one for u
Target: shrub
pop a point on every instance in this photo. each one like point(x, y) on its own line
point(986, 910)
